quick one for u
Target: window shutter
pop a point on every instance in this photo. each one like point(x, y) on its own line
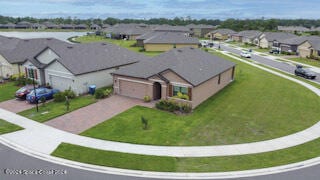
point(190, 93)
point(170, 90)
point(35, 74)
point(26, 72)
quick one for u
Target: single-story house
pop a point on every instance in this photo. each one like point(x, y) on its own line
point(80, 26)
point(200, 30)
point(8, 26)
point(188, 70)
point(220, 34)
point(23, 25)
point(66, 26)
point(168, 28)
point(309, 48)
point(291, 44)
point(293, 29)
point(247, 36)
point(272, 39)
point(50, 25)
point(95, 27)
point(165, 41)
point(126, 31)
point(79, 65)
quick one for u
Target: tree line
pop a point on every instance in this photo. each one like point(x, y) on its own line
point(235, 24)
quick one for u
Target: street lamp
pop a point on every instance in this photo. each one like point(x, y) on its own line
point(31, 73)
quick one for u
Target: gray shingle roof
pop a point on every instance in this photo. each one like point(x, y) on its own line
point(127, 29)
point(170, 38)
point(278, 36)
point(172, 28)
point(200, 26)
point(91, 57)
point(293, 28)
point(249, 33)
point(194, 65)
point(224, 31)
point(298, 40)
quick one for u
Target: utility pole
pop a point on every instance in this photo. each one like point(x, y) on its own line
point(34, 89)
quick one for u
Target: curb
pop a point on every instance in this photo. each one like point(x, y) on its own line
point(162, 175)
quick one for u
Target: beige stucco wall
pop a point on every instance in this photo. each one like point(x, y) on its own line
point(220, 36)
point(166, 47)
point(210, 87)
point(263, 43)
point(174, 78)
point(304, 49)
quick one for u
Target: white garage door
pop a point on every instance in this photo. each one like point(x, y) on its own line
point(133, 89)
point(60, 83)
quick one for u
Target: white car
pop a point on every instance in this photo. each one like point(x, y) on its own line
point(245, 54)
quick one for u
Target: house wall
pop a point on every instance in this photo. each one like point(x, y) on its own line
point(304, 49)
point(174, 78)
point(80, 83)
point(263, 43)
point(47, 56)
point(220, 36)
point(166, 47)
point(236, 38)
point(210, 87)
point(140, 43)
point(40, 77)
point(6, 69)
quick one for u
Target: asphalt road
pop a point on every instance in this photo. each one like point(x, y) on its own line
point(284, 66)
point(12, 160)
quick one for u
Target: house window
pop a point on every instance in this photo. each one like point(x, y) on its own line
point(219, 80)
point(31, 73)
point(177, 89)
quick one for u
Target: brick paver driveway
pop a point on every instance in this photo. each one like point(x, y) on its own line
point(89, 116)
point(15, 105)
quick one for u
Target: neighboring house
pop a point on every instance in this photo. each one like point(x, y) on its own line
point(8, 26)
point(79, 65)
point(125, 31)
point(220, 34)
point(315, 29)
point(8, 65)
point(200, 30)
point(38, 26)
point(167, 28)
point(104, 26)
point(95, 27)
point(50, 25)
point(189, 71)
point(66, 26)
point(165, 41)
point(293, 29)
point(291, 44)
point(310, 48)
point(23, 25)
point(80, 26)
point(272, 39)
point(247, 36)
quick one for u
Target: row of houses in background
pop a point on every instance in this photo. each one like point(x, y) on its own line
point(62, 65)
point(50, 25)
point(304, 46)
point(297, 29)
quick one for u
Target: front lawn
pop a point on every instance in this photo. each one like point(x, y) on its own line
point(311, 62)
point(7, 91)
point(263, 50)
point(256, 106)
point(6, 127)
point(204, 164)
point(54, 109)
point(129, 44)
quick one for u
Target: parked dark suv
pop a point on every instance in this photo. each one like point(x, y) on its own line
point(304, 72)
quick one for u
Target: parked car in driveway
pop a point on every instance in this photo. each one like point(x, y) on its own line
point(22, 92)
point(245, 54)
point(36, 95)
point(274, 51)
point(305, 72)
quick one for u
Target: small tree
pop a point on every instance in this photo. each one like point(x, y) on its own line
point(67, 103)
point(43, 101)
point(144, 122)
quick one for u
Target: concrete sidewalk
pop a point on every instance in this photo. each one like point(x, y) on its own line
point(44, 139)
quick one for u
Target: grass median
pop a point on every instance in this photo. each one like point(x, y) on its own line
point(6, 127)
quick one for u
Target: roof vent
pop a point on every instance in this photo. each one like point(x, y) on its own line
point(103, 44)
point(70, 47)
point(26, 40)
point(191, 47)
point(49, 39)
point(10, 37)
point(179, 50)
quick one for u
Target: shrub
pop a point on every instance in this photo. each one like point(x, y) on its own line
point(43, 101)
point(142, 50)
point(69, 93)
point(102, 93)
point(146, 99)
point(185, 107)
point(59, 97)
point(167, 105)
point(21, 81)
point(181, 96)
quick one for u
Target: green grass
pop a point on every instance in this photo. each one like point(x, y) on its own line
point(129, 44)
point(306, 61)
point(7, 91)
point(204, 164)
point(263, 50)
point(6, 127)
point(54, 109)
point(256, 106)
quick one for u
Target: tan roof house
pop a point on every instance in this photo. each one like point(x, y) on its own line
point(189, 71)
point(165, 41)
point(220, 34)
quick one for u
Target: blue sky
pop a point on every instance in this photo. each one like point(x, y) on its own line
point(145, 9)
